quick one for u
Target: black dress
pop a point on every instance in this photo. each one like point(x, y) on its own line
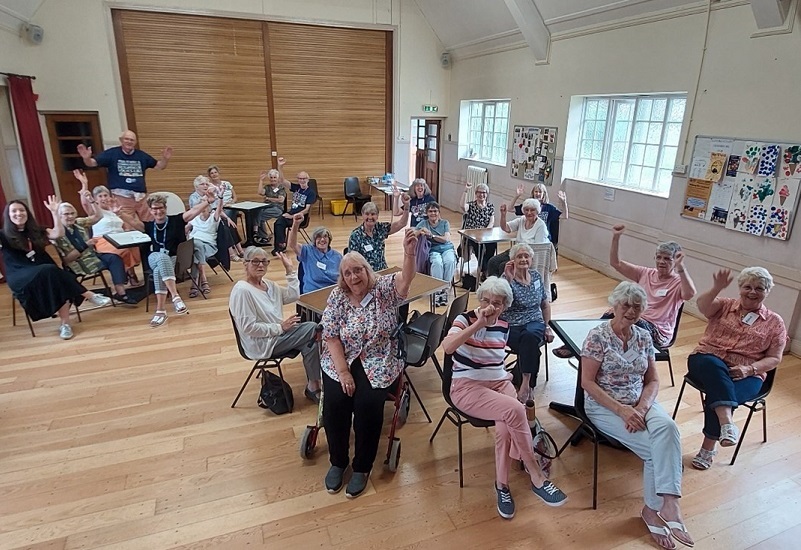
point(38, 283)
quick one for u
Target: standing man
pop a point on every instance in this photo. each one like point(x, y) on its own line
point(302, 198)
point(126, 172)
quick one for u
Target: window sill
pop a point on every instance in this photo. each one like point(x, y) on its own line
point(619, 187)
point(478, 161)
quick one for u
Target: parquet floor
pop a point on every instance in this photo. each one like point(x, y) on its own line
point(124, 438)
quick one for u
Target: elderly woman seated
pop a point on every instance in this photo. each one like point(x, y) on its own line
point(528, 316)
point(203, 232)
point(549, 213)
point(369, 238)
point(360, 362)
point(528, 229)
point(620, 382)
point(441, 255)
point(320, 262)
point(479, 214)
point(743, 340)
point(420, 195)
point(482, 388)
point(271, 187)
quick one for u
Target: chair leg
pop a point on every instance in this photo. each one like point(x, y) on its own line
point(678, 399)
point(247, 380)
point(227, 274)
point(78, 313)
point(439, 425)
point(30, 325)
point(417, 395)
point(547, 374)
point(765, 423)
point(108, 288)
point(147, 292)
point(670, 368)
point(461, 473)
point(742, 434)
point(595, 473)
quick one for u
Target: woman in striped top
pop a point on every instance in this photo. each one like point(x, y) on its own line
point(483, 389)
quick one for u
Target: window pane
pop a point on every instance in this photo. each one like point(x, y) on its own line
point(603, 107)
point(501, 125)
point(647, 176)
point(654, 132)
point(621, 131)
point(665, 178)
point(489, 123)
point(476, 109)
point(668, 157)
point(597, 149)
point(676, 113)
point(489, 110)
point(589, 130)
point(617, 152)
point(584, 168)
point(500, 155)
point(498, 141)
point(644, 109)
point(673, 134)
point(624, 110)
point(637, 154)
point(658, 111)
point(651, 154)
point(475, 124)
point(586, 149)
point(600, 130)
point(595, 169)
point(615, 171)
point(633, 175)
point(592, 110)
point(640, 131)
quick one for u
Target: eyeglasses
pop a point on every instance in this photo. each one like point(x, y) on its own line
point(494, 303)
point(635, 307)
point(356, 270)
point(259, 262)
point(481, 192)
point(758, 289)
point(157, 208)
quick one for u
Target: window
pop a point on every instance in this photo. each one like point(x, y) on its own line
point(630, 141)
point(483, 130)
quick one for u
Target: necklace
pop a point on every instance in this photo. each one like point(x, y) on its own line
point(162, 244)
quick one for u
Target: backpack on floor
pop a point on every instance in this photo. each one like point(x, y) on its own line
point(272, 395)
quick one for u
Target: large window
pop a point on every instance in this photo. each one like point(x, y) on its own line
point(630, 141)
point(483, 130)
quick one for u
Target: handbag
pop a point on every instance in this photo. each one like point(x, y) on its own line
point(272, 394)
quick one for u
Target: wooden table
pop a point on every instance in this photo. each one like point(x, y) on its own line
point(482, 236)
point(422, 285)
point(251, 211)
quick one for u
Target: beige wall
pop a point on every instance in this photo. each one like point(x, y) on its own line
point(747, 89)
point(75, 66)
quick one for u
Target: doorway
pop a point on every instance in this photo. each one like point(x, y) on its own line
point(425, 148)
point(66, 131)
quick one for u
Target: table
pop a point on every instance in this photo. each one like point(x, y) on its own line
point(422, 285)
point(572, 332)
point(251, 211)
point(127, 239)
point(386, 188)
point(482, 236)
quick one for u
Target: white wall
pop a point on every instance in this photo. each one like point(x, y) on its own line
point(747, 89)
point(76, 65)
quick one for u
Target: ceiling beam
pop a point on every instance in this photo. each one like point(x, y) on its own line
point(532, 26)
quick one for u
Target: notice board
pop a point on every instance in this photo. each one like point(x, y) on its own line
point(745, 185)
point(533, 153)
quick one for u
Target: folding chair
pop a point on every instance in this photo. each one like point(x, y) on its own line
point(756, 404)
point(313, 185)
point(663, 354)
point(14, 301)
point(354, 195)
point(261, 365)
point(93, 276)
point(420, 347)
point(421, 323)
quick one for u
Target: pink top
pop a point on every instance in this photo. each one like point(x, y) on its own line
point(664, 299)
point(729, 338)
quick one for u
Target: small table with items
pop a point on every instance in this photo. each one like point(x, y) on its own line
point(482, 237)
point(386, 189)
point(251, 211)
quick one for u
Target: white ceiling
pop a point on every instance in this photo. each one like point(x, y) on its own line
point(15, 12)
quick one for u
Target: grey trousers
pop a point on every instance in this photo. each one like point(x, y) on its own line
point(301, 338)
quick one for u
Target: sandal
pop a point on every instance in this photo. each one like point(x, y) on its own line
point(159, 318)
point(659, 530)
point(563, 352)
point(194, 293)
point(703, 460)
point(678, 528)
point(179, 305)
point(729, 434)
point(133, 281)
point(205, 288)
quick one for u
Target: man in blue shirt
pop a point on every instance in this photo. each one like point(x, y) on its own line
point(302, 197)
point(126, 167)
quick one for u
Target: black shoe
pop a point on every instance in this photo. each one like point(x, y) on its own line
point(335, 479)
point(313, 396)
point(357, 484)
point(125, 299)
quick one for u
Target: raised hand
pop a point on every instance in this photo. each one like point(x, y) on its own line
point(52, 203)
point(84, 151)
point(297, 218)
point(721, 279)
point(263, 176)
point(410, 242)
point(405, 199)
point(289, 323)
point(286, 260)
point(562, 195)
point(678, 260)
point(468, 185)
point(166, 153)
point(520, 189)
point(281, 161)
point(503, 209)
point(618, 229)
point(395, 191)
point(509, 270)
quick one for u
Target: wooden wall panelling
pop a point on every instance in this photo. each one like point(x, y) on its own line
point(330, 100)
point(198, 84)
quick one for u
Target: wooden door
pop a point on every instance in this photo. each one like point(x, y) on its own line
point(432, 153)
point(66, 130)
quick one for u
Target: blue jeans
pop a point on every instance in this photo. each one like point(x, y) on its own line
point(115, 266)
point(721, 391)
point(525, 341)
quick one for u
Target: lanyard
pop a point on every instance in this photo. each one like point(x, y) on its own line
point(161, 243)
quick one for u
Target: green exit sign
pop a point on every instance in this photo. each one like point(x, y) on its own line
point(430, 108)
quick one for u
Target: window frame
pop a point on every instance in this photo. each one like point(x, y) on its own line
point(486, 139)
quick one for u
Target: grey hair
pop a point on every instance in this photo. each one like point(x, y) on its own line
point(541, 187)
point(322, 232)
point(355, 258)
point(496, 286)
point(755, 273)
point(483, 187)
point(532, 203)
point(629, 293)
point(431, 205)
point(273, 172)
point(426, 188)
point(517, 248)
point(64, 205)
point(253, 251)
point(370, 208)
point(200, 179)
point(669, 247)
point(100, 189)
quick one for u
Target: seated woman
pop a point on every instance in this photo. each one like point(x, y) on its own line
point(441, 255)
point(257, 306)
point(483, 389)
point(667, 286)
point(742, 341)
point(479, 214)
point(320, 262)
point(528, 316)
point(274, 194)
point(421, 196)
point(108, 218)
point(549, 213)
point(167, 232)
point(203, 188)
point(227, 198)
point(203, 229)
point(75, 247)
point(360, 361)
point(368, 239)
point(528, 228)
point(620, 382)
point(42, 288)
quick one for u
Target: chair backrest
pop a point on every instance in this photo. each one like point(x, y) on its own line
point(544, 261)
point(313, 186)
point(305, 223)
point(579, 404)
point(352, 188)
point(184, 257)
point(447, 378)
point(675, 328)
point(238, 339)
point(459, 305)
point(767, 385)
point(174, 203)
point(418, 352)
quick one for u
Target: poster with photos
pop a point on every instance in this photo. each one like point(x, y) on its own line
point(744, 185)
point(533, 153)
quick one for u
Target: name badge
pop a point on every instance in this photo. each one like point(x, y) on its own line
point(30, 255)
point(536, 285)
point(631, 355)
point(321, 265)
point(368, 248)
point(366, 300)
point(661, 292)
point(750, 318)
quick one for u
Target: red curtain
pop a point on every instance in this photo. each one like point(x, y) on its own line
point(2, 208)
point(32, 146)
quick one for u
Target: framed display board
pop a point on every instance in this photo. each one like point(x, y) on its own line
point(745, 185)
point(533, 153)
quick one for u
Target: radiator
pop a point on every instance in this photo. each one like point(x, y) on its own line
point(475, 175)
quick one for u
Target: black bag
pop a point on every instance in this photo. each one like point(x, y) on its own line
point(272, 395)
point(469, 283)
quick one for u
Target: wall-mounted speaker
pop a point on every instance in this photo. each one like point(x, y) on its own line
point(445, 60)
point(770, 13)
point(34, 33)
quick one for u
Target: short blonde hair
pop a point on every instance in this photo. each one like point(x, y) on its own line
point(541, 187)
point(156, 198)
point(756, 273)
point(356, 259)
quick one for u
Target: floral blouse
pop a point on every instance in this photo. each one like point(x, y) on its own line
point(620, 376)
point(477, 217)
point(372, 248)
point(367, 332)
point(527, 303)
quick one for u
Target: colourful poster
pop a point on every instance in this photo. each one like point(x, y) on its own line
point(757, 219)
point(697, 198)
point(740, 201)
point(749, 161)
point(769, 156)
point(733, 166)
point(778, 223)
point(714, 170)
point(791, 162)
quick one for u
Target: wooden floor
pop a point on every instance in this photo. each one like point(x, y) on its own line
point(124, 438)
